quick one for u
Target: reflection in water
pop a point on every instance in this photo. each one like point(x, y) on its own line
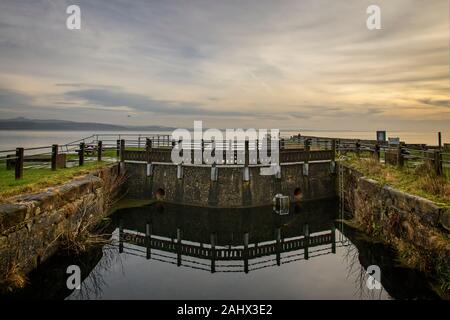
point(176, 252)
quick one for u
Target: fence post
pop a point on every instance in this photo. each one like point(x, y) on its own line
point(99, 150)
point(440, 140)
point(377, 151)
point(19, 163)
point(333, 149)
point(401, 160)
point(358, 145)
point(438, 162)
point(54, 156)
point(203, 150)
point(308, 156)
point(148, 149)
point(117, 148)
point(81, 154)
point(122, 150)
point(247, 153)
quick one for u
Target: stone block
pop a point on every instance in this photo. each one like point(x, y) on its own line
point(11, 215)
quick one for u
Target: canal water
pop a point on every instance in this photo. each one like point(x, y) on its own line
point(165, 251)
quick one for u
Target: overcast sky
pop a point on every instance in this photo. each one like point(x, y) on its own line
point(268, 64)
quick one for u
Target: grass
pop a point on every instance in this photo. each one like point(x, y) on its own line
point(420, 180)
point(36, 179)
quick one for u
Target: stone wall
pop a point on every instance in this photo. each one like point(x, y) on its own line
point(230, 189)
point(359, 191)
point(32, 225)
point(416, 227)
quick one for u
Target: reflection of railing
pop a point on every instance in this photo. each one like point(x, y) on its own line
point(215, 254)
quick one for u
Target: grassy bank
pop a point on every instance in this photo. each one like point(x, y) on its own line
point(418, 246)
point(35, 179)
point(421, 180)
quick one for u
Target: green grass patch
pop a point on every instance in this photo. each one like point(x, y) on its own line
point(35, 179)
point(420, 180)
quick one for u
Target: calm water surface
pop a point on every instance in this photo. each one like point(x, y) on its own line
point(26, 139)
point(146, 261)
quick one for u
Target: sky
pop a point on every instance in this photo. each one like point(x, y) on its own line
point(249, 63)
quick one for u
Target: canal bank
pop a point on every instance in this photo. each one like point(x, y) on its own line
point(415, 227)
point(33, 226)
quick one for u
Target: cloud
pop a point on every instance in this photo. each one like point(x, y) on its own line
point(257, 62)
point(118, 98)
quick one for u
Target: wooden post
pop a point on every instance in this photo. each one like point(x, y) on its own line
point(246, 238)
point(306, 239)
point(99, 150)
point(148, 240)
point(122, 150)
point(401, 160)
point(117, 148)
point(307, 150)
point(247, 153)
point(333, 238)
point(213, 253)
point(235, 157)
point(278, 245)
point(54, 156)
point(257, 151)
point(333, 149)
point(440, 140)
point(19, 163)
point(81, 154)
point(148, 149)
point(120, 236)
point(358, 146)
point(377, 151)
point(203, 150)
point(438, 162)
point(178, 244)
point(192, 152)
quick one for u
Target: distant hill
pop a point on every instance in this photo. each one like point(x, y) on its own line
point(61, 125)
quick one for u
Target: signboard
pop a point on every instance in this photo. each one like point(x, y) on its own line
point(394, 141)
point(381, 136)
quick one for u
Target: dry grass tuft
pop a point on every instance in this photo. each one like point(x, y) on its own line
point(13, 279)
point(86, 233)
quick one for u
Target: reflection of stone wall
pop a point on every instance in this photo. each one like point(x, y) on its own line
point(230, 189)
point(31, 225)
